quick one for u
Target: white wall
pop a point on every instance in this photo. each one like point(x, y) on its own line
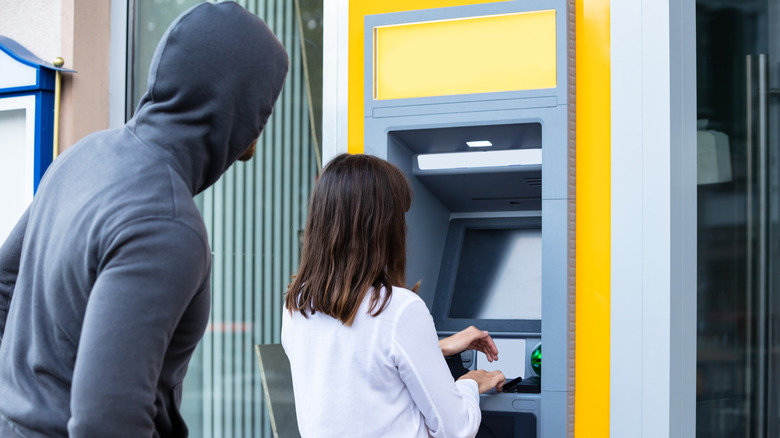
point(35, 24)
point(653, 339)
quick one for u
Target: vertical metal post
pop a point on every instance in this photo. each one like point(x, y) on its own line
point(749, 238)
point(757, 239)
point(58, 62)
point(762, 247)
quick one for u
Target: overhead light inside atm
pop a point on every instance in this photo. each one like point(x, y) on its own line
point(468, 160)
point(479, 144)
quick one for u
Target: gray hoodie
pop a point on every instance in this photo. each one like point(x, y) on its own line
point(104, 282)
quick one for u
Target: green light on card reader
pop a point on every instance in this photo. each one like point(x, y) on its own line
point(536, 360)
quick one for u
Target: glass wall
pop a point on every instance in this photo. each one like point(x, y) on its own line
point(738, 329)
point(254, 215)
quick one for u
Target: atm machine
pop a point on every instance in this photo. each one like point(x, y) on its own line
point(475, 104)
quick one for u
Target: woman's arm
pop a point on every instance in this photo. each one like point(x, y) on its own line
point(449, 408)
point(469, 339)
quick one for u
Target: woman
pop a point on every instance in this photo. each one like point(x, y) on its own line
point(364, 354)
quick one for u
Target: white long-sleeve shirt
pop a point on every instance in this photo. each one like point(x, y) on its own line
point(384, 376)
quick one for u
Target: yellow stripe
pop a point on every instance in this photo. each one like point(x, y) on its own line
point(593, 220)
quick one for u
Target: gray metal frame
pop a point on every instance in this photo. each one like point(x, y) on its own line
point(335, 79)
point(653, 195)
point(428, 218)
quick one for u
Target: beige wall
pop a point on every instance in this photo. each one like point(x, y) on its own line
point(85, 48)
point(79, 32)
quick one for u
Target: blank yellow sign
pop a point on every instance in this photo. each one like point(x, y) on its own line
point(484, 54)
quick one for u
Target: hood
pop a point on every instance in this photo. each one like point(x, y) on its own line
point(213, 82)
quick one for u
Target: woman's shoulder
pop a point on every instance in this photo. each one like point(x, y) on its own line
point(404, 295)
point(403, 300)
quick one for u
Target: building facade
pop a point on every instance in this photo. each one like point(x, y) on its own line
point(677, 143)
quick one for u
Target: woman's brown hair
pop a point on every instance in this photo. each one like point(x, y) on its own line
point(355, 239)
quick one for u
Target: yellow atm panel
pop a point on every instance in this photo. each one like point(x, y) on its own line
point(505, 52)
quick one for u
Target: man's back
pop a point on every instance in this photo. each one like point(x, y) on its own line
point(104, 282)
point(113, 244)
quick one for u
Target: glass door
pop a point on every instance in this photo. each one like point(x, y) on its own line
point(738, 326)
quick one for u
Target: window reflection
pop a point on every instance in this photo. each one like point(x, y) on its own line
point(254, 216)
point(738, 46)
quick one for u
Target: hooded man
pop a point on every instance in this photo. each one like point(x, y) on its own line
point(104, 282)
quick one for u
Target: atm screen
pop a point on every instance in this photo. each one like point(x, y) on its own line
point(499, 275)
point(491, 275)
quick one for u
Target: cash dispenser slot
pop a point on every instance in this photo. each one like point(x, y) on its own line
point(502, 173)
point(482, 190)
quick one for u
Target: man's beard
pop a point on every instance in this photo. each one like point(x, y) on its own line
point(248, 153)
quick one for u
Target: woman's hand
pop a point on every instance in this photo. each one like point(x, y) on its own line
point(486, 380)
point(470, 339)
